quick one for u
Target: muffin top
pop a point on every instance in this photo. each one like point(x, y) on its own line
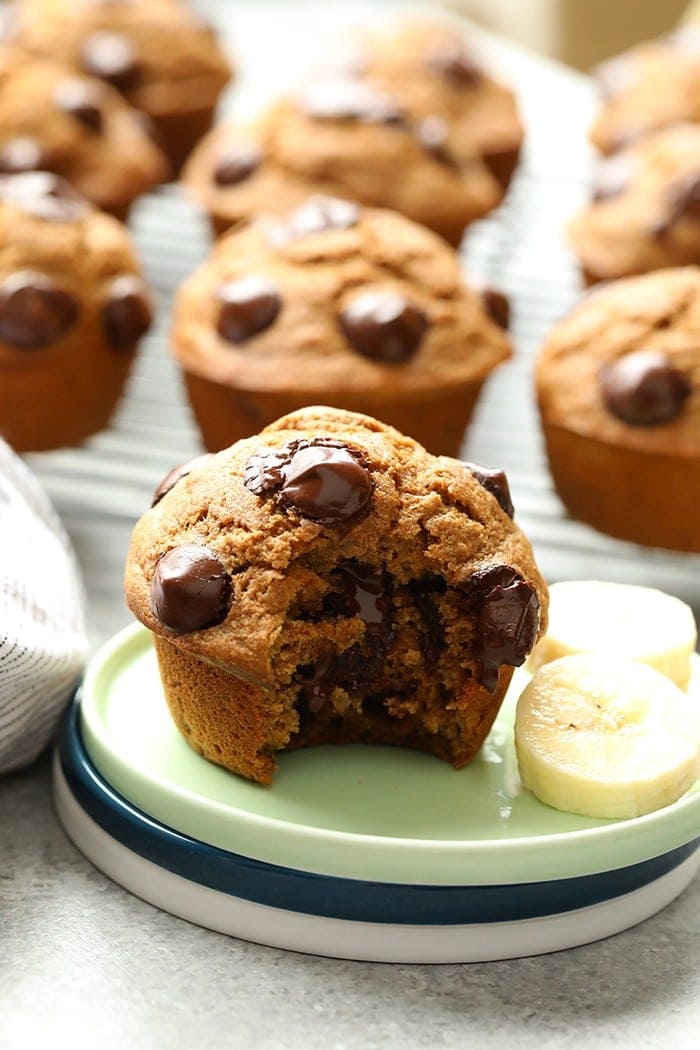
point(334, 296)
point(645, 212)
point(649, 87)
point(69, 278)
point(242, 548)
point(160, 54)
point(412, 124)
point(624, 367)
point(76, 126)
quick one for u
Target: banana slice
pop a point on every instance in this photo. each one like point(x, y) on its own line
point(616, 619)
point(606, 738)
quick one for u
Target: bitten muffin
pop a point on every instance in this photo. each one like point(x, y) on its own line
point(414, 125)
point(651, 86)
point(72, 309)
point(335, 304)
point(160, 55)
point(618, 384)
point(645, 212)
point(329, 581)
point(77, 127)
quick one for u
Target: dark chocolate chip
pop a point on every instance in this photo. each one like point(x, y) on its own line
point(21, 154)
point(322, 479)
point(343, 98)
point(177, 474)
point(190, 589)
point(495, 482)
point(612, 178)
point(237, 162)
point(494, 301)
point(433, 133)
point(318, 214)
point(643, 388)
point(454, 62)
point(383, 326)
point(365, 593)
point(126, 312)
point(682, 201)
point(43, 194)
point(320, 681)
point(508, 620)
point(111, 57)
point(34, 311)
point(502, 163)
point(248, 306)
point(81, 100)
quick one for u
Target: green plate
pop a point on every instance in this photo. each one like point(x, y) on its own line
point(360, 812)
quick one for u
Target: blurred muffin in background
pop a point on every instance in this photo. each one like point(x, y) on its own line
point(161, 55)
point(73, 307)
point(407, 121)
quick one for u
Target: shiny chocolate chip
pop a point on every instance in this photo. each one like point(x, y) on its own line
point(45, 195)
point(126, 313)
point(236, 163)
point(190, 589)
point(344, 98)
point(177, 474)
point(612, 178)
point(81, 100)
point(318, 214)
point(495, 482)
point(365, 593)
point(383, 326)
point(34, 311)
point(508, 620)
point(644, 389)
point(21, 154)
point(322, 479)
point(111, 57)
point(248, 306)
point(454, 62)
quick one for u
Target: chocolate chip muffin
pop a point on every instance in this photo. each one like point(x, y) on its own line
point(415, 125)
point(619, 393)
point(73, 307)
point(160, 55)
point(645, 212)
point(334, 304)
point(77, 127)
point(652, 86)
point(329, 581)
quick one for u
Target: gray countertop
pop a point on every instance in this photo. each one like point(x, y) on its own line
point(83, 963)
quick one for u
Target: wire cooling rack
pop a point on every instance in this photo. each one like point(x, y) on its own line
point(102, 488)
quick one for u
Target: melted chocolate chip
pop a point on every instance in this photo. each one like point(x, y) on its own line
point(343, 98)
point(612, 178)
point(454, 62)
point(321, 681)
point(502, 163)
point(21, 154)
point(190, 589)
point(236, 163)
point(317, 215)
point(322, 479)
point(81, 100)
point(433, 133)
point(643, 388)
point(34, 311)
point(682, 202)
point(177, 474)
point(495, 302)
point(248, 306)
point(495, 482)
point(126, 313)
point(383, 326)
point(111, 57)
point(508, 620)
point(365, 594)
point(45, 195)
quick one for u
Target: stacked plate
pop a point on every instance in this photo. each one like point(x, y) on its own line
point(355, 852)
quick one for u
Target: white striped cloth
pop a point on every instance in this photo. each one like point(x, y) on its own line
point(42, 634)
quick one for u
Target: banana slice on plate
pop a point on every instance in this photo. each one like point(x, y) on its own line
point(617, 619)
point(606, 738)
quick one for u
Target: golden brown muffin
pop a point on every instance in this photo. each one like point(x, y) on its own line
point(77, 127)
point(329, 581)
point(160, 55)
point(645, 212)
point(334, 304)
point(415, 126)
point(651, 86)
point(618, 384)
point(73, 307)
